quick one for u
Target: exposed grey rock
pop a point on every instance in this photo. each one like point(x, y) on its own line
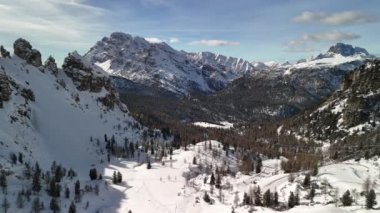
point(51, 65)
point(89, 78)
point(347, 50)
point(3, 52)
point(23, 49)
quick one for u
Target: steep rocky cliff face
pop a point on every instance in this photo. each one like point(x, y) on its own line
point(87, 77)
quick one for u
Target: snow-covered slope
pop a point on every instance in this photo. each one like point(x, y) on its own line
point(56, 125)
point(179, 183)
point(341, 56)
point(159, 65)
point(50, 116)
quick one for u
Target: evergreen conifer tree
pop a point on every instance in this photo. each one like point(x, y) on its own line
point(114, 178)
point(36, 205)
point(259, 165)
point(194, 160)
point(3, 181)
point(267, 199)
point(206, 198)
point(347, 199)
point(77, 191)
point(306, 181)
point(212, 179)
point(67, 193)
point(312, 194)
point(54, 205)
point(258, 196)
point(246, 199)
point(36, 184)
point(292, 200)
point(218, 181)
point(119, 177)
point(371, 199)
point(93, 174)
point(72, 208)
point(5, 204)
point(19, 201)
point(275, 199)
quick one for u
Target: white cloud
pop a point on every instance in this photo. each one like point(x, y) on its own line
point(154, 40)
point(215, 43)
point(307, 41)
point(166, 3)
point(308, 16)
point(330, 36)
point(50, 19)
point(340, 18)
point(298, 46)
point(173, 40)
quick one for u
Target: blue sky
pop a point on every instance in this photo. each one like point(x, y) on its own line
point(260, 30)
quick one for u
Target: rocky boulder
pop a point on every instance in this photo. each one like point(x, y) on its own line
point(4, 53)
point(23, 49)
point(51, 65)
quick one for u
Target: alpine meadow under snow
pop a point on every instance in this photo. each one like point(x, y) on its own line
point(132, 124)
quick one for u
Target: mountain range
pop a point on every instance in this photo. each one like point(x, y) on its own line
point(112, 119)
point(176, 85)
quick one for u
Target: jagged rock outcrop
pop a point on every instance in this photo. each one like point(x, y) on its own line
point(87, 77)
point(109, 101)
point(51, 65)
point(4, 53)
point(347, 50)
point(84, 76)
point(28, 94)
point(23, 49)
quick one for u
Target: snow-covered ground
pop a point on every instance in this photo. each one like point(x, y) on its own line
point(221, 125)
point(66, 125)
point(164, 187)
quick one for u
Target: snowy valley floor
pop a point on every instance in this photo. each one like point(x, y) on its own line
point(165, 189)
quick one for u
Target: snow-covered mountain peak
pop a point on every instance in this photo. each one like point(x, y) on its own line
point(347, 50)
point(342, 56)
point(159, 65)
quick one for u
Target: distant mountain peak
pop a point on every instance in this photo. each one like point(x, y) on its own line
point(159, 65)
point(347, 50)
point(121, 36)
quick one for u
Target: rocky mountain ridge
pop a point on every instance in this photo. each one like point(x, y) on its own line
point(207, 86)
point(158, 65)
